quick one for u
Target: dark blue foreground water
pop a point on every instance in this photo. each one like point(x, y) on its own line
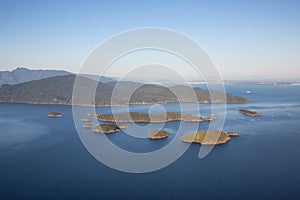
point(43, 158)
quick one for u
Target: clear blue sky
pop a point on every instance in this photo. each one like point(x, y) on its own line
point(244, 38)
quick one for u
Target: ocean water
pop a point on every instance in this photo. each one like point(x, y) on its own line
point(43, 158)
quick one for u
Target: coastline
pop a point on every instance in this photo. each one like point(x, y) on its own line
point(207, 143)
point(162, 121)
point(119, 105)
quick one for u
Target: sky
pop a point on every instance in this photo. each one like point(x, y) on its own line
point(245, 39)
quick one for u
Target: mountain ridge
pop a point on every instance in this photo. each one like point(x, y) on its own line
point(59, 90)
point(23, 75)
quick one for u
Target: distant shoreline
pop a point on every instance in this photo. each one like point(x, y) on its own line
point(115, 105)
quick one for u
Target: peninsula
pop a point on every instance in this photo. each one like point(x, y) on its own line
point(249, 112)
point(209, 137)
point(154, 118)
point(158, 134)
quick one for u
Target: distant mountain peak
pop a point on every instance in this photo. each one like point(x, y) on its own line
point(22, 74)
point(21, 69)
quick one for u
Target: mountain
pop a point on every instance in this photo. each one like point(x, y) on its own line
point(53, 90)
point(58, 90)
point(102, 79)
point(21, 75)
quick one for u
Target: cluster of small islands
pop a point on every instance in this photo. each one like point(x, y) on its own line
point(56, 88)
point(114, 123)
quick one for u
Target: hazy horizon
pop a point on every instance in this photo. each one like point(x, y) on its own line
point(171, 79)
point(245, 40)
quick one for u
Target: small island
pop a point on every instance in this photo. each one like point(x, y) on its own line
point(212, 137)
point(158, 134)
point(144, 117)
point(92, 114)
point(86, 119)
point(87, 126)
point(54, 114)
point(106, 128)
point(233, 134)
point(248, 112)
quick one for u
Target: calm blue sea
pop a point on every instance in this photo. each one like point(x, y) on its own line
point(43, 158)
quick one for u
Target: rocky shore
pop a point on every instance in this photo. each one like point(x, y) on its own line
point(153, 118)
point(249, 112)
point(158, 134)
point(54, 114)
point(209, 137)
point(106, 128)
